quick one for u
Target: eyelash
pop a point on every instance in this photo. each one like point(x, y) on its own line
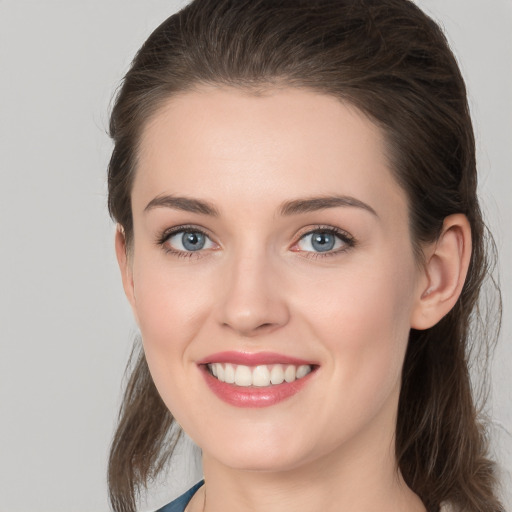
point(168, 233)
point(348, 241)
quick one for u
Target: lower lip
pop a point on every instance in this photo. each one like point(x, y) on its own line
point(254, 396)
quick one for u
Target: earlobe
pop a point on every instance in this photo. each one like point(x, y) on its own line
point(125, 266)
point(445, 270)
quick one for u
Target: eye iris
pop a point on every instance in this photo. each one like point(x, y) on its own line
point(322, 242)
point(193, 241)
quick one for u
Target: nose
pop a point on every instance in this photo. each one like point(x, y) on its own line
point(253, 302)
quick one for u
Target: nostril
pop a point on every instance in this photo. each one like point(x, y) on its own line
point(252, 311)
point(249, 332)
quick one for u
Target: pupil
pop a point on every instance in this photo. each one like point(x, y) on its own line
point(193, 241)
point(322, 242)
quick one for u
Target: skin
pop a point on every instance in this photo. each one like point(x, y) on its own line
point(258, 285)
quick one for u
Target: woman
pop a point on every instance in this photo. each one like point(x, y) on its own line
point(300, 240)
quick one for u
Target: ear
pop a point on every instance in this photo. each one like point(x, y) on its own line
point(125, 265)
point(446, 267)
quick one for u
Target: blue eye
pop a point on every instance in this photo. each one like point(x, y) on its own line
point(193, 241)
point(324, 240)
point(188, 240)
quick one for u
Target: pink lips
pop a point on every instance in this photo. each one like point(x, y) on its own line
point(253, 396)
point(252, 359)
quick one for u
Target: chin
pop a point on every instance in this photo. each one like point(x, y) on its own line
point(260, 461)
point(279, 452)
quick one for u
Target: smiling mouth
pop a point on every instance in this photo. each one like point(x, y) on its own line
point(258, 376)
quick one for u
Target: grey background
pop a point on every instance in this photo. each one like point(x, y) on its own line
point(65, 327)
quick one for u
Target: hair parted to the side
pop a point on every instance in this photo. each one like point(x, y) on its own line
point(390, 60)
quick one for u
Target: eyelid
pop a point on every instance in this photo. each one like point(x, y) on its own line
point(164, 237)
point(348, 240)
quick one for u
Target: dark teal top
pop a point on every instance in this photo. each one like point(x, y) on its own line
point(179, 504)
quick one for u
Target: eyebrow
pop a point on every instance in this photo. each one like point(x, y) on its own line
point(186, 204)
point(313, 204)
point(295, 207)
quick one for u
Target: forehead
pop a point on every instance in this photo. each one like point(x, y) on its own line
point(218, 141)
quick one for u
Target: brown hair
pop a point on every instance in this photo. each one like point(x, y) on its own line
point(392, 62)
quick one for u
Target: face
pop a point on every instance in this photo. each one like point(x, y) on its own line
point(271, 251)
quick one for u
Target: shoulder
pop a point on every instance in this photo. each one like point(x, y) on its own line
point(179, 504)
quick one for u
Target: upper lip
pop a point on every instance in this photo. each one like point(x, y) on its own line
point(252, 358)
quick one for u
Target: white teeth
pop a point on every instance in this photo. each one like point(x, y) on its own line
point(261, 376)
point(229, 374)
point(302, 371)
point(289, 373)
point(243, 376)
point(277, 374)
point(258, 376)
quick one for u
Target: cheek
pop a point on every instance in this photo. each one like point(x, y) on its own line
point(170, 305)
point(170, 314)
point(363, 318)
